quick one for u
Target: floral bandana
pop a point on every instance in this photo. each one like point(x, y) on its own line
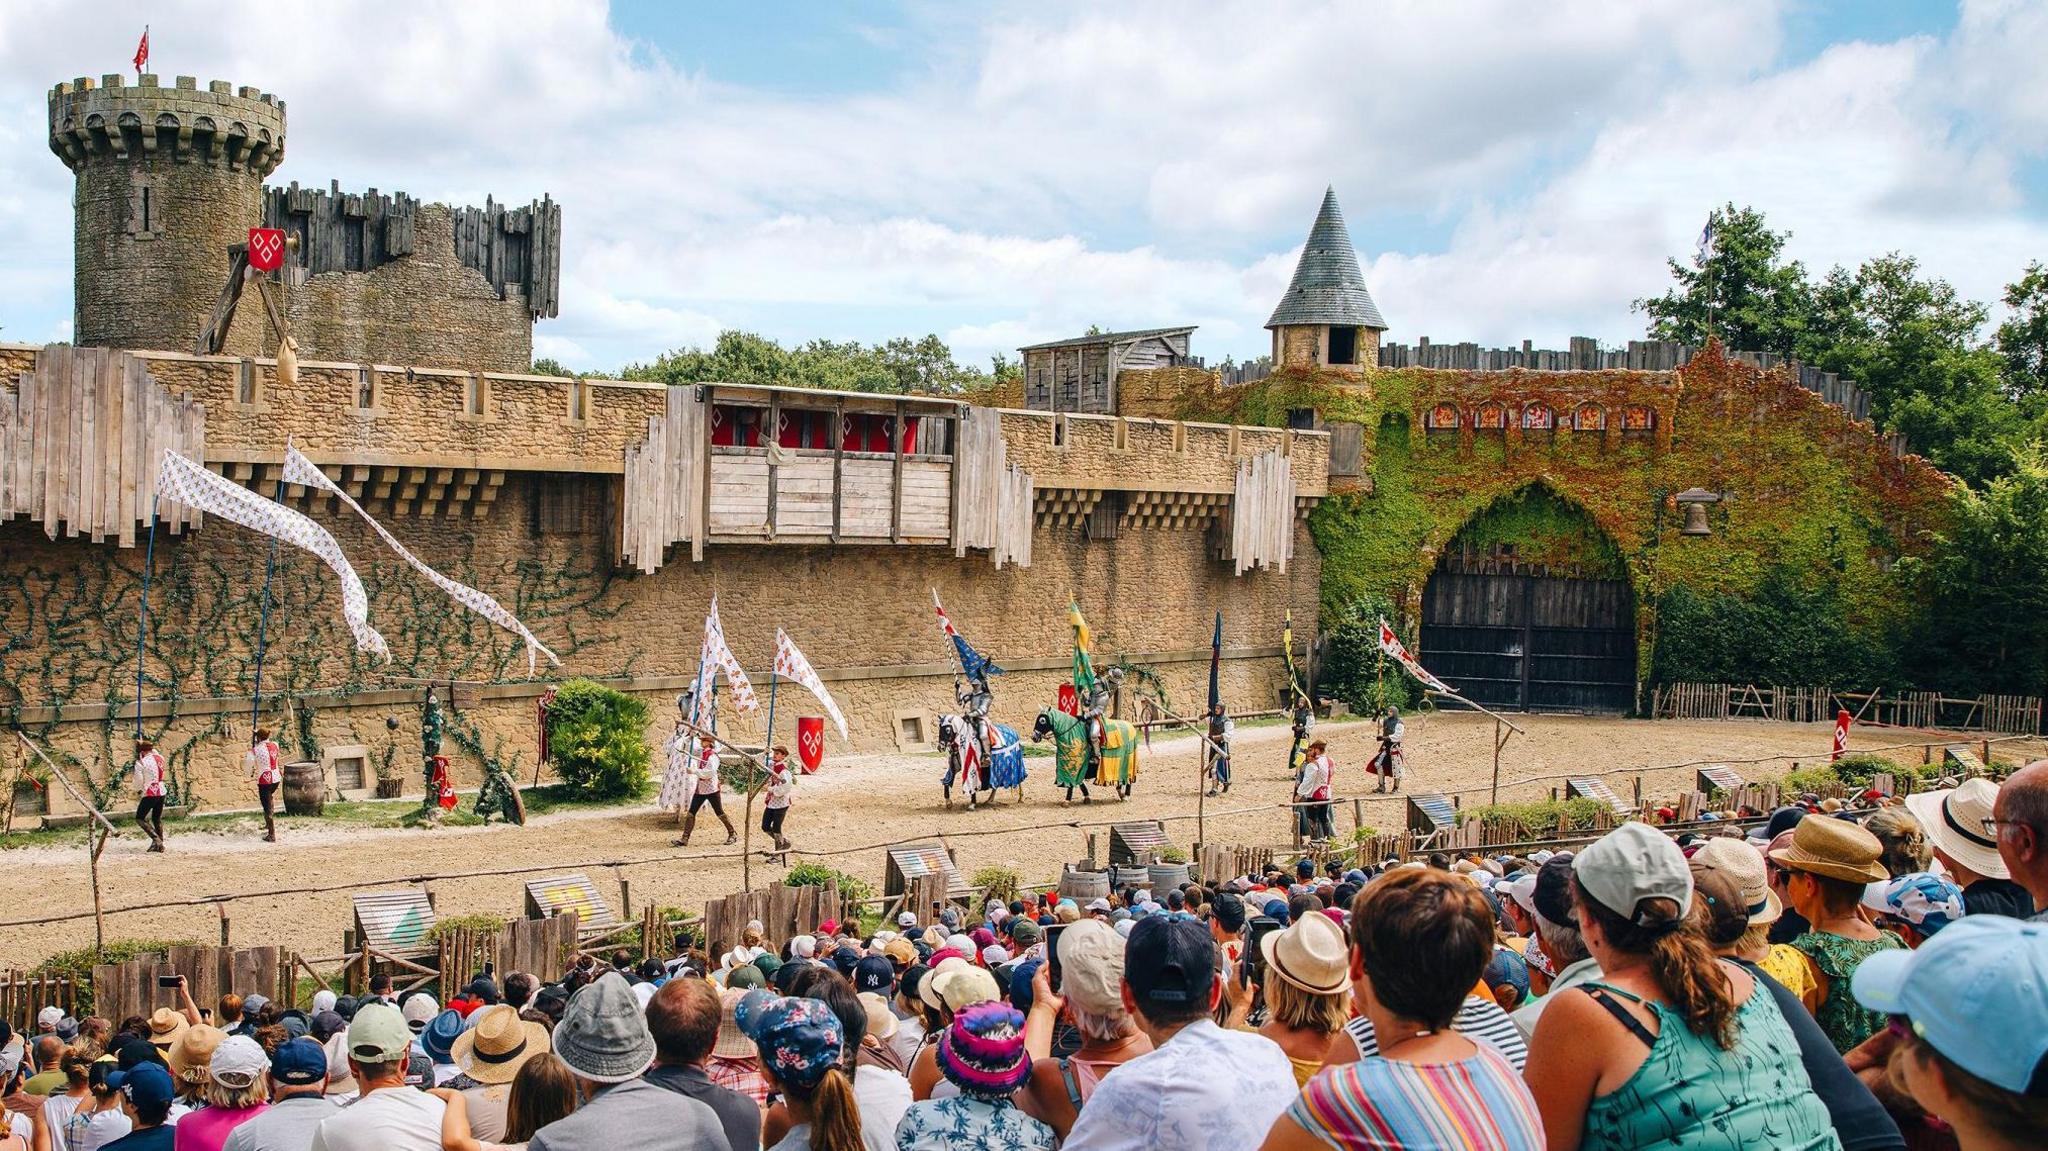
point(798, 1039)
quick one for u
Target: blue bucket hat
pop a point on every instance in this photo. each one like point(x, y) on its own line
point(438, 1040)
point(1977, 993)
point(798, 1039)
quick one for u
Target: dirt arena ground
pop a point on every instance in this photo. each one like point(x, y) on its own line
point(843, 818)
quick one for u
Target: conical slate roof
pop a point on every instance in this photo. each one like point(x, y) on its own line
point(1327, 287)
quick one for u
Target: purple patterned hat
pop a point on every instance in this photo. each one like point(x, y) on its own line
point(983, 1054)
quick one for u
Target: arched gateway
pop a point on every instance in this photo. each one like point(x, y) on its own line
point(1530, 609)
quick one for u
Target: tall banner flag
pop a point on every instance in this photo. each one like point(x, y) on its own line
point(743, 698)
point(180, 480)
point(1215, 666)
point(1841, 734)
point(790, 664)
point(142, 52)
point(1391, 644)
point(973, 664)
point(1287, 654)
point(300, 470)
point(1084, 664)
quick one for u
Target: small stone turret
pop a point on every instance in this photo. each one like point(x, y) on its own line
point(168, 178)
point(1327, 319)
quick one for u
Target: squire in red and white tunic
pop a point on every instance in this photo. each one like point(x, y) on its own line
point(149, 774)
point(262, 762)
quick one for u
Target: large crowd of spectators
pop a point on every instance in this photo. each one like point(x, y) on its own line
point(1823, 980)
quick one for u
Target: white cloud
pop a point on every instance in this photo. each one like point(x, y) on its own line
point(1048, 167)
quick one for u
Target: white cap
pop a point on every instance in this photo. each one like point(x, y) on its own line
point(48, 1018)
point(906, 920)
point(804, 946)
point(1521, 889)
point(238, 1062)
point(323, 1000)
point(419, 1011)
point(1630, 864)
point(1097, 904)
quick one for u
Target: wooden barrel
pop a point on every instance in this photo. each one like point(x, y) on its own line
point(305, 788)
point(1122, 877)
point(1167, 875)
point(1082, 886)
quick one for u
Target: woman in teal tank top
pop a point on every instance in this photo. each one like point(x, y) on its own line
point(1672, 1047)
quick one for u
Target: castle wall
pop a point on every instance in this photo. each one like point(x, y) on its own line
point(426, 309)
point(68, 612)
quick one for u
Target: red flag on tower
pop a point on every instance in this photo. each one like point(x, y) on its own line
point(142, 51)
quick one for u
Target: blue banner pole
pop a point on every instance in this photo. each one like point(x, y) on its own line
point(142, 622)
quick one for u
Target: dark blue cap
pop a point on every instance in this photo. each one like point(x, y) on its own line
point(298, 1063)
point(145, 1084)
point(874, 973)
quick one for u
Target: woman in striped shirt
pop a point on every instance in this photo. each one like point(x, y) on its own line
point(1429, 1086)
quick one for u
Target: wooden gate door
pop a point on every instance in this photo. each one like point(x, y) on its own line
point(1526, 642)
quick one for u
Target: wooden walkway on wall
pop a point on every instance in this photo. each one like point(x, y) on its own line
point(995, 497)
point(664, 485)
point(80, 438)
point(1262, 513)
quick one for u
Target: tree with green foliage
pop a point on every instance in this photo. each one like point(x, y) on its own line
point(924, 365)
point(1741, 291)
point(1986, 601)
point(1912, 344)
point(599, 739)
point(2022, 340)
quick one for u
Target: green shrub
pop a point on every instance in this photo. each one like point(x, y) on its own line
point(1353, 668)
point(1543, 817)
point(1815, 779)
point(1172, 854)
point(999, 883)
point(1859, 770)
point(599, 737)
point(79, 962)
point(851, 888)
point(449, 924)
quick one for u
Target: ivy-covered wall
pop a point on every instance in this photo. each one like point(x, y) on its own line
point(1816, 500)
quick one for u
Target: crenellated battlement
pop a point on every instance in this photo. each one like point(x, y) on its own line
point(240, 129)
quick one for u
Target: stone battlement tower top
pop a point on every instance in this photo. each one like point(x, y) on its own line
point(168, 180)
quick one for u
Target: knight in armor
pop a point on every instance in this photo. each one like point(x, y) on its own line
point(1220, 730)
point(1390, 764)
point(1095, 709)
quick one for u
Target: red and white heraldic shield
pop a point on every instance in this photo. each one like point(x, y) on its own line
point(266, 249)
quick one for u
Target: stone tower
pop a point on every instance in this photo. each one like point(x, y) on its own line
point(168, 178)
point(1327, 319)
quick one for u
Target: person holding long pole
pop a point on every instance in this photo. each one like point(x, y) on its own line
point(778, 794)
point(150, 772)
point(261, 764)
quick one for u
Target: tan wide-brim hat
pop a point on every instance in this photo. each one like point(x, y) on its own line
point(192, 1050)
point(1835, 848)
point(881, 1020)
point(1311, 954)
point(1744, 864)
point(497, 1045)
point(732, 1043)
point(165, 1025)
point(1954, 820)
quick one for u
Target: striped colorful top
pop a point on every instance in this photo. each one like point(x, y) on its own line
point(1478, 1103)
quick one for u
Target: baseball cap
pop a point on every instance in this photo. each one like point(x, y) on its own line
point(297, 1063)
point(379, 1034)
point(1921, 898)
point(239, 1062)
point(1521, 889)
point(1631, 864)
point(145, 1085)
point(874, 973)
point(48, 1018)
point(1098, 904)
point(1228, 909)
point(1091, 956)
point(1025, 933)
point(1168, 963)
point(252, 1004)
point(419, 1011)
point(1977, 992)
point(906, 921)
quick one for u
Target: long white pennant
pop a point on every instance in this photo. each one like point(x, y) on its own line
point(300, 470)
point(181, 480)
point(791, 664)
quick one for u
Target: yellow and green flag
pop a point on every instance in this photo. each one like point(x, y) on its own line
point(1084, 665)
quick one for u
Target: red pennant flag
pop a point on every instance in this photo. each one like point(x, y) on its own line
point(1841, 734)
point(142, 52)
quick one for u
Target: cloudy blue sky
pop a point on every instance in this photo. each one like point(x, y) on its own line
point(1001, 174)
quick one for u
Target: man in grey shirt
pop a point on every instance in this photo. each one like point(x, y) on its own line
point(605, 1042)
point(683, 1017)
point(298, 1080)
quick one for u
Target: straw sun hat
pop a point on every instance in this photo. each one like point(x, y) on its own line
point(1744, 865)
point(1311, 954)
point(1834, 848)
point(497, 1045)
point(1954, 820)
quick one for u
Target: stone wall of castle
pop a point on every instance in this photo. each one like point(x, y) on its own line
point(68, 613)
point(427, 309)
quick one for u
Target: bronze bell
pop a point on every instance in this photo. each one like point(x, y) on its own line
point(1695, 521)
